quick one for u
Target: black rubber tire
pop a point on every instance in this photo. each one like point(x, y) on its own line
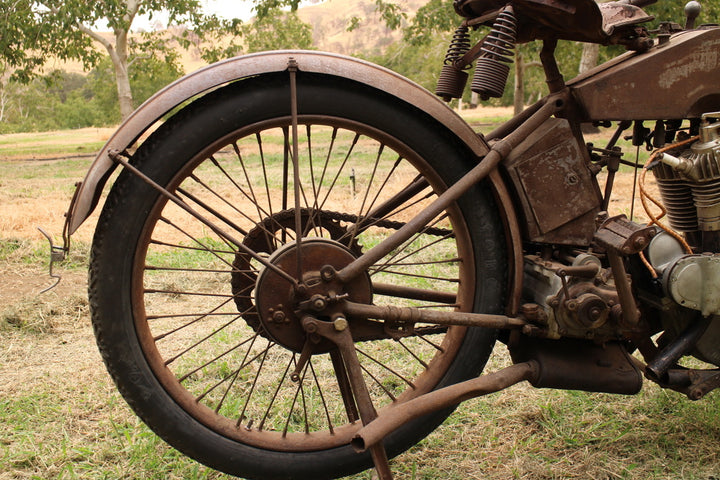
point(168, 149)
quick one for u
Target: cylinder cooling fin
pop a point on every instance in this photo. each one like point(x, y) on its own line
point(689, 181)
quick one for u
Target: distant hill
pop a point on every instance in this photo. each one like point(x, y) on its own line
point(331, 18)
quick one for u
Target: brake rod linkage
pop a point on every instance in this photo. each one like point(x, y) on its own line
point(418, 315)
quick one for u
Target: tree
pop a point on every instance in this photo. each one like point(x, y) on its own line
point(276, 29)
point(67, 29)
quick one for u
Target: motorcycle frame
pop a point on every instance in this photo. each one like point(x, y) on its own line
point(695, 52)
point(584, 99)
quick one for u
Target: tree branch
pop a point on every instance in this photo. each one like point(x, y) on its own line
point(83, 28)
point(132, 9)
point(95, 36)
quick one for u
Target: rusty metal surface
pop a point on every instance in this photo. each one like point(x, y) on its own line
point(549, 161)
point(678, 79)
point(277, 303)
point(256, 64)
point(624, 236)
point(339, 334)
point(500, 150)
point(392, 418)
point(573, 364)
point(579, 20)
point(410, 315)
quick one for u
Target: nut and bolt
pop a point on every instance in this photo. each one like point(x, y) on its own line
point(277, 315)
point(340, 324)
point(327, 273)
point(318, 302)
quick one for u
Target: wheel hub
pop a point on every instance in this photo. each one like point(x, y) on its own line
point(281, 306)
point(265, 239)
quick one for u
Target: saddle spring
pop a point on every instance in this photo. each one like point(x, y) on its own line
point(452, 79)
point(493, 66)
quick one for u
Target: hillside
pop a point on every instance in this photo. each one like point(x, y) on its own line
point(330, 20)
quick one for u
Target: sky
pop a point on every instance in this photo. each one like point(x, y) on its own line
point(229, 8)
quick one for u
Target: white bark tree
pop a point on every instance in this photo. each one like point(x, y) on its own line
point(75, 25)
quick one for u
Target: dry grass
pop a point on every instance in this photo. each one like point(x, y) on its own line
point(61, 417)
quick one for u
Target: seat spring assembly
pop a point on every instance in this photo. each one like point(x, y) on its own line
point(453, 79)
point(493, 66)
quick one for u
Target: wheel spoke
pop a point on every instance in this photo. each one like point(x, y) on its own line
point(203, 296)
point(343, 382)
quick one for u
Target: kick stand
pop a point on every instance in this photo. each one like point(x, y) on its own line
point(338, 332)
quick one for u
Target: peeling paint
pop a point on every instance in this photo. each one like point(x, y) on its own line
point(704, 60)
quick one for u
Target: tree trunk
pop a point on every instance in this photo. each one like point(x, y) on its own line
point(519, 90)
point(589, 59)
point(119, 56)
point(122, 80)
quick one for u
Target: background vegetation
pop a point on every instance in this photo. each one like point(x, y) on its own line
point(62, 99)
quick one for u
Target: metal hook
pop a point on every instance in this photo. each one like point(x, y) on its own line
point(57, 254)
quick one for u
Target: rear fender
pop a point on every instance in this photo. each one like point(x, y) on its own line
point(192, 86)
point(195, 84)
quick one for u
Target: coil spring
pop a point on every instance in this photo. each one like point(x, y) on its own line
point(493, 66)
point(452, 80)
point(459, 45)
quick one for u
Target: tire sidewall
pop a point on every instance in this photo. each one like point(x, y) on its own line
point(120, 228)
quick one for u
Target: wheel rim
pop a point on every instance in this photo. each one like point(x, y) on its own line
point(194, 299)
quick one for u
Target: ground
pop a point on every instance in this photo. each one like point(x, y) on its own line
point(60, 416)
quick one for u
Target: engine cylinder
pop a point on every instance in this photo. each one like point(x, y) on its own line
point(690, 189)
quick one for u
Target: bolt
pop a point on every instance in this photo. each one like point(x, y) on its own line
point(319, 303)
point(340, 324)
point(327, 273)
point(278, 317)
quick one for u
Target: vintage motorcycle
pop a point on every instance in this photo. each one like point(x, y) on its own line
point(306, 259)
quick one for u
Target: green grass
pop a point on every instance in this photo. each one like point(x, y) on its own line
point(50, 144)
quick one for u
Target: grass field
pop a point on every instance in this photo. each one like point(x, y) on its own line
point(61, 416)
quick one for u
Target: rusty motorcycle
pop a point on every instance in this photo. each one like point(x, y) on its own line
point(306, 260)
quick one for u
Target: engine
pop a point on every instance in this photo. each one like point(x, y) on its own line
point(575, 296)
point(689, 182)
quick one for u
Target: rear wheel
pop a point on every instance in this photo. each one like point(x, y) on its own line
point(197, 315)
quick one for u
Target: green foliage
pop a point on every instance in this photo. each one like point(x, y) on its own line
point(72, 100)
point(265, 8)
point(147, 76)
point(276, 29)
point(66, 103)
point(433, 17)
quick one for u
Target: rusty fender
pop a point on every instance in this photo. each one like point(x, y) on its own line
point(392, 418)
point(221, 73)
